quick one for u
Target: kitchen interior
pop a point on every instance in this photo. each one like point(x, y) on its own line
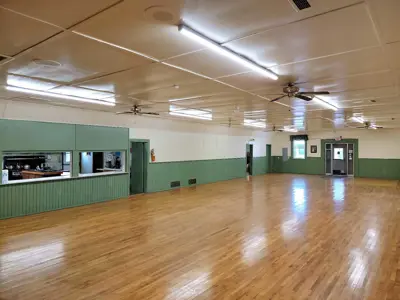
point(22, 166)
point(101, 162)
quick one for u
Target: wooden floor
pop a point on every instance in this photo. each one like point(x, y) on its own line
point(274, 237)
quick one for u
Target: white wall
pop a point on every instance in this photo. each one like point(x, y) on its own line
point(172, 140)
point(372, 143)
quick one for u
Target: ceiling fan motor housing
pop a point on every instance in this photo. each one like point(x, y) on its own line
point(291, 90)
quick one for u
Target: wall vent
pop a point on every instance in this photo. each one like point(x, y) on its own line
point(301, 4)
point(175, 184)
point(192, 181)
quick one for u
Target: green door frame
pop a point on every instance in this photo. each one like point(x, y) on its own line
point(146, 160)
point(344, 141)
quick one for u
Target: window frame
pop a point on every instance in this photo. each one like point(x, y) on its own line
point(305, 149)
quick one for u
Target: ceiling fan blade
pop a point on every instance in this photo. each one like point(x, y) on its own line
point(314, 93)
point(128, 112)
point(150, 113)
point(279, 98)
point(305, 98)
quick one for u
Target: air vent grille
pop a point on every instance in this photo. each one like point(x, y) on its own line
point(301, 4)
point(175, 184)
point(192, 181)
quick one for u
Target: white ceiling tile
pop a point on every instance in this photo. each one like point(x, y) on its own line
point(226, 20)
point(80, 58)
point(208, 63)
point(387, 17)
point(336, 66)
point(127, 25)
point(141, 79)
point(18, 33)
point(311, 38)
point(393, 51)
point(59, 12)
point(250, 81)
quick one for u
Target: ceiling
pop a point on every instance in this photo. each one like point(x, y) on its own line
point(131, 52)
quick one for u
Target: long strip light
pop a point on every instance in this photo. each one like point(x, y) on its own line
point(358, 120)
point(254, 123)
point(54, 95)
point(224, 51)
point(207, 117)
point(289, 129)
point(325, 103)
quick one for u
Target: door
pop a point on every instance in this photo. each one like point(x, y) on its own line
point(269, 159)
point(328, 159)
point(339, 159)
point(98, 161)
point(137, 168)
point(249, 159)
point(350, 160)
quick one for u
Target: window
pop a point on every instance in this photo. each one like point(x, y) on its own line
point(35, 166)
point(338, 153)
point(299, 149)
point(101, 162)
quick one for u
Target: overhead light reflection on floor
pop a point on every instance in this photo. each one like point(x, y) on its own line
point(189, 285)
point(254, 245)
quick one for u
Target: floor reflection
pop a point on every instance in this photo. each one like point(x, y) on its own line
point(338, 189)
point(299, 196)
point(358, 268)
point(11, 264)
point(189, 286)
point(254, 245)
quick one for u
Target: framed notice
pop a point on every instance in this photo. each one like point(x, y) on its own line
point(314, 149)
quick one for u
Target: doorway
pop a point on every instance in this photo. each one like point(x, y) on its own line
point(269, 158)
point(139, 162)
point(249, 159)
point(339, 159)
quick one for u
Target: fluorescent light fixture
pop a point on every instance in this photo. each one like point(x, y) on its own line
point(54, 95)
point(185, 98)
point(254, 123)
point(225, 52)
point(325, 103)
point(358, 119)
point(289, 129)
point(190, 113)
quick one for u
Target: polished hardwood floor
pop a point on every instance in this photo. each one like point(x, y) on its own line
point(273, 237)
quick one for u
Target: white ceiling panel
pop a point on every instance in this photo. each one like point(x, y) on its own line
point(208, 63)
point(200, 89)
point(59, 12)
point(393, 51)
point(18, 33)
point(226, 20)
point(128, 25)
point(311, 38)
point(79, 59)
point(337, 66)
point(387, 18)
point(141, 79)
point(250, 81)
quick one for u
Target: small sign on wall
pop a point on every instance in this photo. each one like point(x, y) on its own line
point(314, 148)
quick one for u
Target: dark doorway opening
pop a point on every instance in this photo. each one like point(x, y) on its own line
point(139, 162)
point(249, 159)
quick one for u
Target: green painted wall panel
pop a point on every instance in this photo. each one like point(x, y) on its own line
point(310, 165)
point(101, 138)
point(160, 175)
point(25, 199)
point(260, 165)
point(379, 168)
point(16, 135)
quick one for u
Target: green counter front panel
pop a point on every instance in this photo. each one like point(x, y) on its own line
point(20, 136)
point(160, 175)
point(30, 198)
point(101, 138)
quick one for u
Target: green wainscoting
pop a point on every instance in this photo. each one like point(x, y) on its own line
point(101, 138)
point(30, 198)
point(260, 165)
point(310, 165)
point(379, 168)
point(160, 175)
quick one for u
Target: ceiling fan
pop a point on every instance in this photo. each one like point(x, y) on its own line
point(369, 125)
point(291, 90)
point(137, 110)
